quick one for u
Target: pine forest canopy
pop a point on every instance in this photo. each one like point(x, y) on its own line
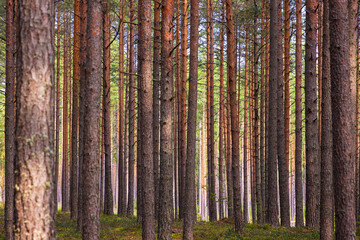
point(191, 110)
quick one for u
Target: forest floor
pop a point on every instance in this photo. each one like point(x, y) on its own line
point(114, 227)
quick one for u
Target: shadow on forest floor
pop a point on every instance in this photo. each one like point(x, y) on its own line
point(114, 227)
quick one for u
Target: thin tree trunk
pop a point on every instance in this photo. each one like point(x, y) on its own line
point(298, 121)
point(65, 165)
point(228, 158)
point(34, 122)
point(130, 205)
point(121, 157)
point(91, 174)
point(342, 115)
point(9, 121)
point(231, 57)
point(182, 113)
point(311, 130)
point(166, 168)
point(75, 113)
point(156, 97)
point(108, 193)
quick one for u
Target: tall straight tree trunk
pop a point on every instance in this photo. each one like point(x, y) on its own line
point(231, 59)
point(245, 146)
point(256, 124)
point(327, 192)
point(287, 79)
point(182, 113)
point(342, 114)
point(75, 113)
point(229, 181)
point(311, 125)
point(262, 112)
point(156, 102)
point(108, 193)
point(166, 167)
point(65, 166)
point(91, 174)
point(130, 205)
point(57, 112)
point(83, 23)
point(272, 201)
point(9, 121)
point(210, 114)
point(34, 162)
point(282, 163)
point(298, 121)
point(146, 116)
point(221, 118)
point(190, 196)
point(121, 136)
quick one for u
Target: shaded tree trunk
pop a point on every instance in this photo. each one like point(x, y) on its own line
point(342, 114)
point(231, 59)
point(298, 121)
point(190, 196)
point(34, 162)
point(83, 23)
point(272, 201)
point(311, 125)
point(327, 192)
point(9, 121)
point(130, 205)
point(75, 113)
point(108, 193)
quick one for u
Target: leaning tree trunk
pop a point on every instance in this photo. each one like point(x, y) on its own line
point(34, 162)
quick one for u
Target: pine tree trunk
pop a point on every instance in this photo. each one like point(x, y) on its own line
point(231, 57)
point(327, 192)
point(91, 174)
point(156, 102)
point(342, 115)
point(75, 113)
point(282, 163)
point(190, 195)
point(298, 121)
point(9, 121)
point(166, 167)
point(272, 212)
point(34, 162)
point(146, 116)
point(130, 205)
point(83, 23)
point(311, 125)
point(121, 136)
point(65, 165)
